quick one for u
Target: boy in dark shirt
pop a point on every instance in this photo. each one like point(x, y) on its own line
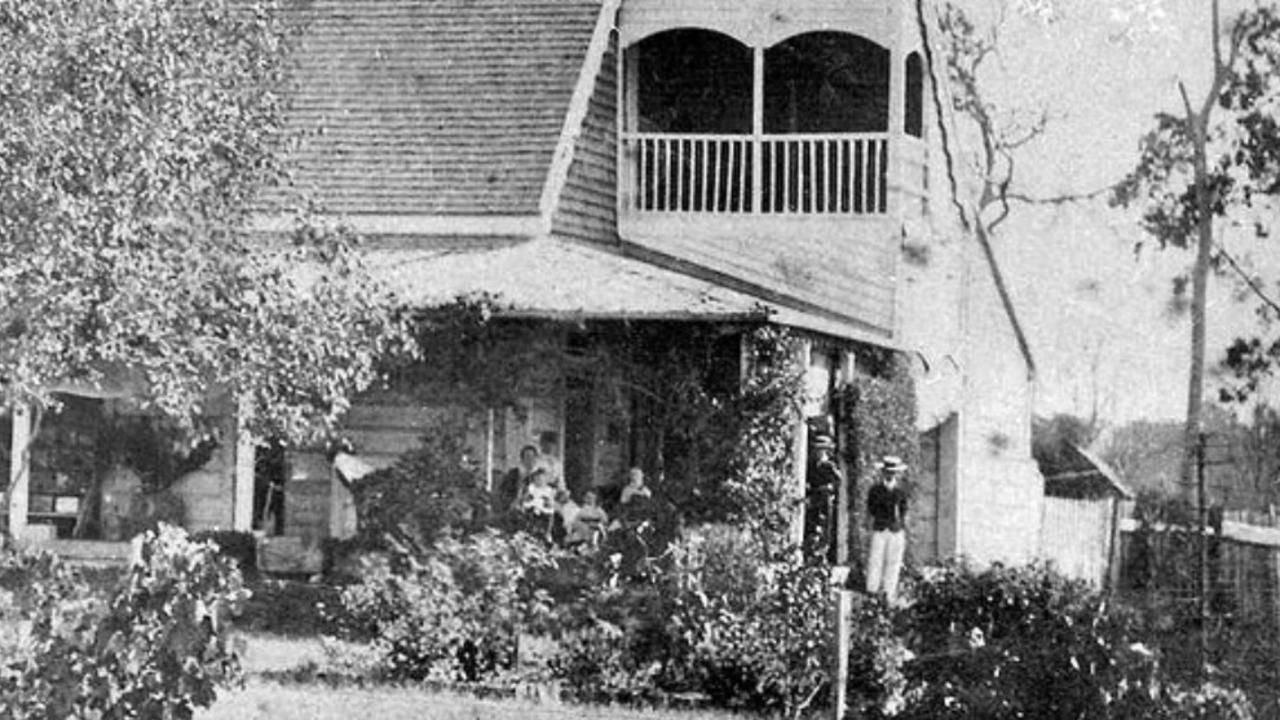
point(887, 508)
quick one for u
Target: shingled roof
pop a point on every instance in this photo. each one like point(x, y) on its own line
point(436, 107)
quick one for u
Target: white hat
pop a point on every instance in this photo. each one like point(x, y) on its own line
point(891, 463)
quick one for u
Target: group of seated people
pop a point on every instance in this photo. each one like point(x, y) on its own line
point(534, 495)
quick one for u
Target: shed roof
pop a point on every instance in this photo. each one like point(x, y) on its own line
point(436, 107)
point(1076, 472)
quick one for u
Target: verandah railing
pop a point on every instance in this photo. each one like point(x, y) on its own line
point(775, 174)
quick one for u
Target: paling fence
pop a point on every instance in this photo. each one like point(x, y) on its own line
point(1242, 565)
point(1098, 541)
point(1078, 536)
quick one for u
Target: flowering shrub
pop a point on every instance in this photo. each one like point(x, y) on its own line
point(454, 613)
point(720, 617)
point(1028, 642)
point(155, 647)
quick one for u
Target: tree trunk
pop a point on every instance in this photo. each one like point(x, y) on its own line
point(1199, 126)
point(1199, 288)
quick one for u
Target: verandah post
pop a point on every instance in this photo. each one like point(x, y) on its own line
point(242, 479)
point(19, 470)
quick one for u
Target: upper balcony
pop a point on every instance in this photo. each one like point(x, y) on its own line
point(772, 133)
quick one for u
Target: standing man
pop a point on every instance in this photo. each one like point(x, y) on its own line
point(822, 486)
point(887, 508)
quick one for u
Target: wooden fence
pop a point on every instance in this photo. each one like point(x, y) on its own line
point(1079, 537)
point(1243, 565)
point(1095, 540)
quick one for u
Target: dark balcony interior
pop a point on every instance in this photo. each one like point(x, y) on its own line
point(693, 81)
point(826, 82)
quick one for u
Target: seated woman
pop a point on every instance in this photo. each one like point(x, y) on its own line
point(509, 490)
point(636, 506)
point(588, 523)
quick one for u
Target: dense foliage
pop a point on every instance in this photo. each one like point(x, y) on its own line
point(744, 440)
point(1011, 643)
point(1027, 642)
point(429, 491)
point(457, 611)
point(722, 617)
point(1232, 644)
point(154, 646)
point(139, 138)
point(879, 413)
point(881, 416)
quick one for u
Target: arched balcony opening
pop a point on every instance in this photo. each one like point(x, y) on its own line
point(692, 100)
point(826, 82)
point(693, 81)
point(832, 90)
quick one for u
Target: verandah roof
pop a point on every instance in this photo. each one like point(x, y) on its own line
point(557, 278)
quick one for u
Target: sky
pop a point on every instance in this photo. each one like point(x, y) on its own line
point(1097, 313)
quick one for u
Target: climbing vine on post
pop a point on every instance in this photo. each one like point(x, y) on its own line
point(879, 418)
point(763, 417)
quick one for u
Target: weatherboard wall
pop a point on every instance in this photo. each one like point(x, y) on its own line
point(588, 208)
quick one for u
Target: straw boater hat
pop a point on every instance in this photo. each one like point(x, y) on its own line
point(891, 463)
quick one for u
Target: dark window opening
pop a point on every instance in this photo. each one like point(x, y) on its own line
point(913, 112)
point(270, 470)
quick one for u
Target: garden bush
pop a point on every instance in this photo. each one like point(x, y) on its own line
point(238, 545)
point(429, 492)
point(721, 617)
point(292, 608)
point(455, 612)
point(1027, 642)
point(154, 647)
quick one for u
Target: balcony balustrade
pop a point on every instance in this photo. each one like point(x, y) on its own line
point(809, 174)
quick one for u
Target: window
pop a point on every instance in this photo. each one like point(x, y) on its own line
point(913, 113)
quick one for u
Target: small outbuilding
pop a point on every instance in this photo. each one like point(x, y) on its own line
point(1083, 506)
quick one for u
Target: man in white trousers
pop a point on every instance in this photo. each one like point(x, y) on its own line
point(887, 510)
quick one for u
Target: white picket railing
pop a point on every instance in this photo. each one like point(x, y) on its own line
point(778, 174)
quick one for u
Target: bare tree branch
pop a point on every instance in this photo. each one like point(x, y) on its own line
point(1217, 38)
point(1062, 199)
point(1002, 193)
point(1186, 102)
point(1249, 280)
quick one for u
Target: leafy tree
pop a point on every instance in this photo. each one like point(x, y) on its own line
point(1051, 436)
point(138, 140)
point(1217, 162)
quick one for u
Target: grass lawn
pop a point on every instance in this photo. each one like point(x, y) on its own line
point(266, 699)
point(261, 700)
